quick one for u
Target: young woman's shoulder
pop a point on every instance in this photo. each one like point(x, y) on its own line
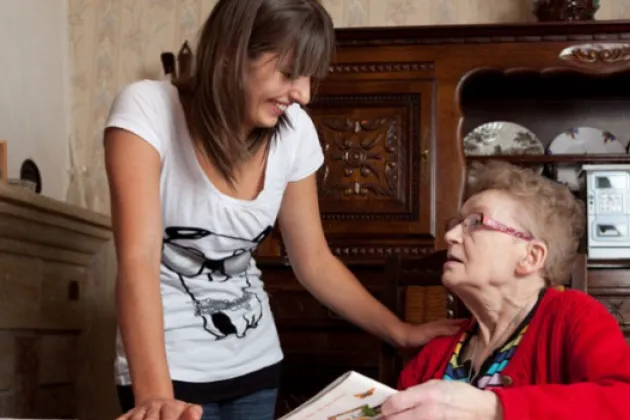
point(146, 97)
point(144, 108)
point(299, 118)
point(144, 90)
point(301, 137)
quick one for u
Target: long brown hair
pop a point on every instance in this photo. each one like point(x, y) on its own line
point(237, 31)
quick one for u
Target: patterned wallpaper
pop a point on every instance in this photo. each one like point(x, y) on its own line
point(114, 42)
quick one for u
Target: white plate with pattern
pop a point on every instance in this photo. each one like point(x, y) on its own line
point(502, 138)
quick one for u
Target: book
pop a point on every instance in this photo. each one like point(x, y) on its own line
point(352, 396)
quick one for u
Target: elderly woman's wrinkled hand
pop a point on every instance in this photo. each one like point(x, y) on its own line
point(438, 399)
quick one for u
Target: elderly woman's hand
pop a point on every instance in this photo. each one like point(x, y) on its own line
point(439, 399)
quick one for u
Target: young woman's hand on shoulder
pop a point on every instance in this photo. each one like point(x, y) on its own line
point(331, 282)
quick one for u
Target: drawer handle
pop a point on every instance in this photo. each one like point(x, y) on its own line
point(73, 290)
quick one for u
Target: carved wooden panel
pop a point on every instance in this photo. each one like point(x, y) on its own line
point(361, 249)
point(619, 307)
point(605, 57)
point(378, 252)
point(449, 36)
point(611, 286)
point(597, 53)
point(369, 68)
point(364, 152)
point(377, 146)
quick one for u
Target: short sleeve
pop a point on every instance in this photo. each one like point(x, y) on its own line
point(308, 155)
point(135, 109)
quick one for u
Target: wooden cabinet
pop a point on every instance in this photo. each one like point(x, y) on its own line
point(611, 286)
point(376, 138)
point(391, 118)
point(49, 321)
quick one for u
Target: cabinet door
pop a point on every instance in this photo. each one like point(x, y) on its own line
point(375, 187)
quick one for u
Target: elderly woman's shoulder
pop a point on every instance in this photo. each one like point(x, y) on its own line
point(575, 302)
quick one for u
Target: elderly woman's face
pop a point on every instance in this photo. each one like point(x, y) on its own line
point(488, 243)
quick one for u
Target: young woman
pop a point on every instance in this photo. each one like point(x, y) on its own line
point(199, 171)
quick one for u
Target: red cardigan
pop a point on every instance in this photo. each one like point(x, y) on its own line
point(573, 363)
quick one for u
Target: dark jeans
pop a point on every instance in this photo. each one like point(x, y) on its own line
point(260, 405)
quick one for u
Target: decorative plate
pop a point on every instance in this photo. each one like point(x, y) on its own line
point(502, 138)
point(578, 141)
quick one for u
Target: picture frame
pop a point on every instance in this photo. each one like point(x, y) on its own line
point(3, 161)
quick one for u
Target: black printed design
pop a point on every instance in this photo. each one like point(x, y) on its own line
point(223, 314)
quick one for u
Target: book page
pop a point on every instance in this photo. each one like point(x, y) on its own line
point(351, 397)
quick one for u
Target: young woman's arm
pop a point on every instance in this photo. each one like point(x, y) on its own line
point(330, 281)
point(133, 169)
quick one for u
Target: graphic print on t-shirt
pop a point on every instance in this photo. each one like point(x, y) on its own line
point(232, 311)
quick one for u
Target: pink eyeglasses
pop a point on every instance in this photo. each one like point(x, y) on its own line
point(478, 220)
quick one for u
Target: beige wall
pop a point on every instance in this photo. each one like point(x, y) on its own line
point(35, 88)
point(113, 42)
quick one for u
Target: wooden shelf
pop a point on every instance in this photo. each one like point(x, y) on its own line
point(542, 159)
point(616, 264)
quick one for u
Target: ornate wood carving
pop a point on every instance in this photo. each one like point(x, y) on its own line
point(483, 34)
point(380, 67)
point(597, 53)
point(370, 156)
point(379, 251)
point(619, 309)
point(366, 152)
point(382, 251)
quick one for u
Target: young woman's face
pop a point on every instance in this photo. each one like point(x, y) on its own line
point(269, 90)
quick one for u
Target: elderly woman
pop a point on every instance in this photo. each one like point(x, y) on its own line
point(530, 351)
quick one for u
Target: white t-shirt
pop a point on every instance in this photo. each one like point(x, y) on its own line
point(217, 320)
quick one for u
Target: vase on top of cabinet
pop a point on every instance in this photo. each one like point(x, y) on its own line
point(565, 10)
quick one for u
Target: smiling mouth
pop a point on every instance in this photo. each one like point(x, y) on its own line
point(280, 106)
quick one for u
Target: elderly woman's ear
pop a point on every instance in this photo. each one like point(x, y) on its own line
point(534, 259)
